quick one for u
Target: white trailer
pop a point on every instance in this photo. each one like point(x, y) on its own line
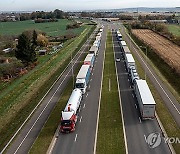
point(94, 50)
point(123, 43)
point(125, 49)
point(145, 99)
point(129, 60)
point(82, 78)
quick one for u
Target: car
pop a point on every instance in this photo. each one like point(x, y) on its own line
point(117, 59)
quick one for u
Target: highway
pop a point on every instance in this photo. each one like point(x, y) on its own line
point(30, 130)
point(135, 128)
point(82, 141)
point(170, 101)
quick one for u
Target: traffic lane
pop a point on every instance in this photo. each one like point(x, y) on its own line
point(171, 103)
point(135, 128)
point(88, 125)
point(26, 138)
point(87, 121)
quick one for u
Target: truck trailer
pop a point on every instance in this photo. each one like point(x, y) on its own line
point(125, 50)
point(94, 50)
point(82, 78)
point(89, 60)
point(69, 115)
point(129, 60)
point(145, 99)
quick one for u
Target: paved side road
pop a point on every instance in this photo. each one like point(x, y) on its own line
point(30, 131)
point(170, 101)
point(135, 128)
point(82, 141)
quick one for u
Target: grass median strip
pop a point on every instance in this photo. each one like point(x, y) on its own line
point(110, 130)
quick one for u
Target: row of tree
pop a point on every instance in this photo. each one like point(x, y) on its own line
point(56, 14)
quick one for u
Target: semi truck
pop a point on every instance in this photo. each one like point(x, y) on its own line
point(82, 78)
point(145, 100)
point(129, 60)
point(96, 43)
point(125, 50)
point(94, 50)
point(119, 36)
point(123, 43)
point(133, 75)
point(89, 60)
point(69, 115)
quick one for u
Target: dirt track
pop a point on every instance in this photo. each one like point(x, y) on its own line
point(163, 47)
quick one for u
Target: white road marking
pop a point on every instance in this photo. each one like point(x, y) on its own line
point(133, 95)
point(84, 106)
point(80, 119)
point(89, 86)
point(87, 95)
point(75, 138)
point(140, 120)
point(54, 141)
point(92, 73)
point(91, 80)
point(109, 84)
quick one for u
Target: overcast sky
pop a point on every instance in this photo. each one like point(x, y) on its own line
point(71, 5)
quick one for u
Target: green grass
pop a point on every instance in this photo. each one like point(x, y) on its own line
point(174, 29)
point(18, 100)
point(110, 130)
point(51, 28)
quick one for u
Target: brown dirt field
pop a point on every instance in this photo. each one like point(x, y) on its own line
point(163, 47)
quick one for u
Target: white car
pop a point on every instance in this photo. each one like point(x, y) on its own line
point(117, 59)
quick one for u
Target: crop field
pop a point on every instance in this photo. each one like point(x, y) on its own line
point(51, 28)
point(174, 29)
point(163, 47)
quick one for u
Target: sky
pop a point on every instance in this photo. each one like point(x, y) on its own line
point(73, 5)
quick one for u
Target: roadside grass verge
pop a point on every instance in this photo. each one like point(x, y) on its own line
point(19, 101)
point(110, 137)
point(164, 71)
point(46, 135)
point(164, 115)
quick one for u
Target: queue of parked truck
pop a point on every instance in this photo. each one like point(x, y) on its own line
point(70, 113)
point(141, 89)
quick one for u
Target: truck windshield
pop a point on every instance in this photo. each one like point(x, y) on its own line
point(65, 122)
point(79, 85)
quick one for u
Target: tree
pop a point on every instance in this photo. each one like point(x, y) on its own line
point(42, 40)
point(25, 50)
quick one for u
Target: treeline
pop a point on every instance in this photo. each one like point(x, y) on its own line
point(40, 20)
point(73, 25)
point(56, 14)
point(158, 28)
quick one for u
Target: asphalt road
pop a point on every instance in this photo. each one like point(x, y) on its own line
point(170, 101)
point(82, 140)
point(30, 131)
point(135, 128)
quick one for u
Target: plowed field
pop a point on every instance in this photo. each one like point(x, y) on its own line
point(163, 47)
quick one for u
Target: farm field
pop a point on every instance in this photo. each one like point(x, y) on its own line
point(51, 28)
point(174, 29)
point(163, 47)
